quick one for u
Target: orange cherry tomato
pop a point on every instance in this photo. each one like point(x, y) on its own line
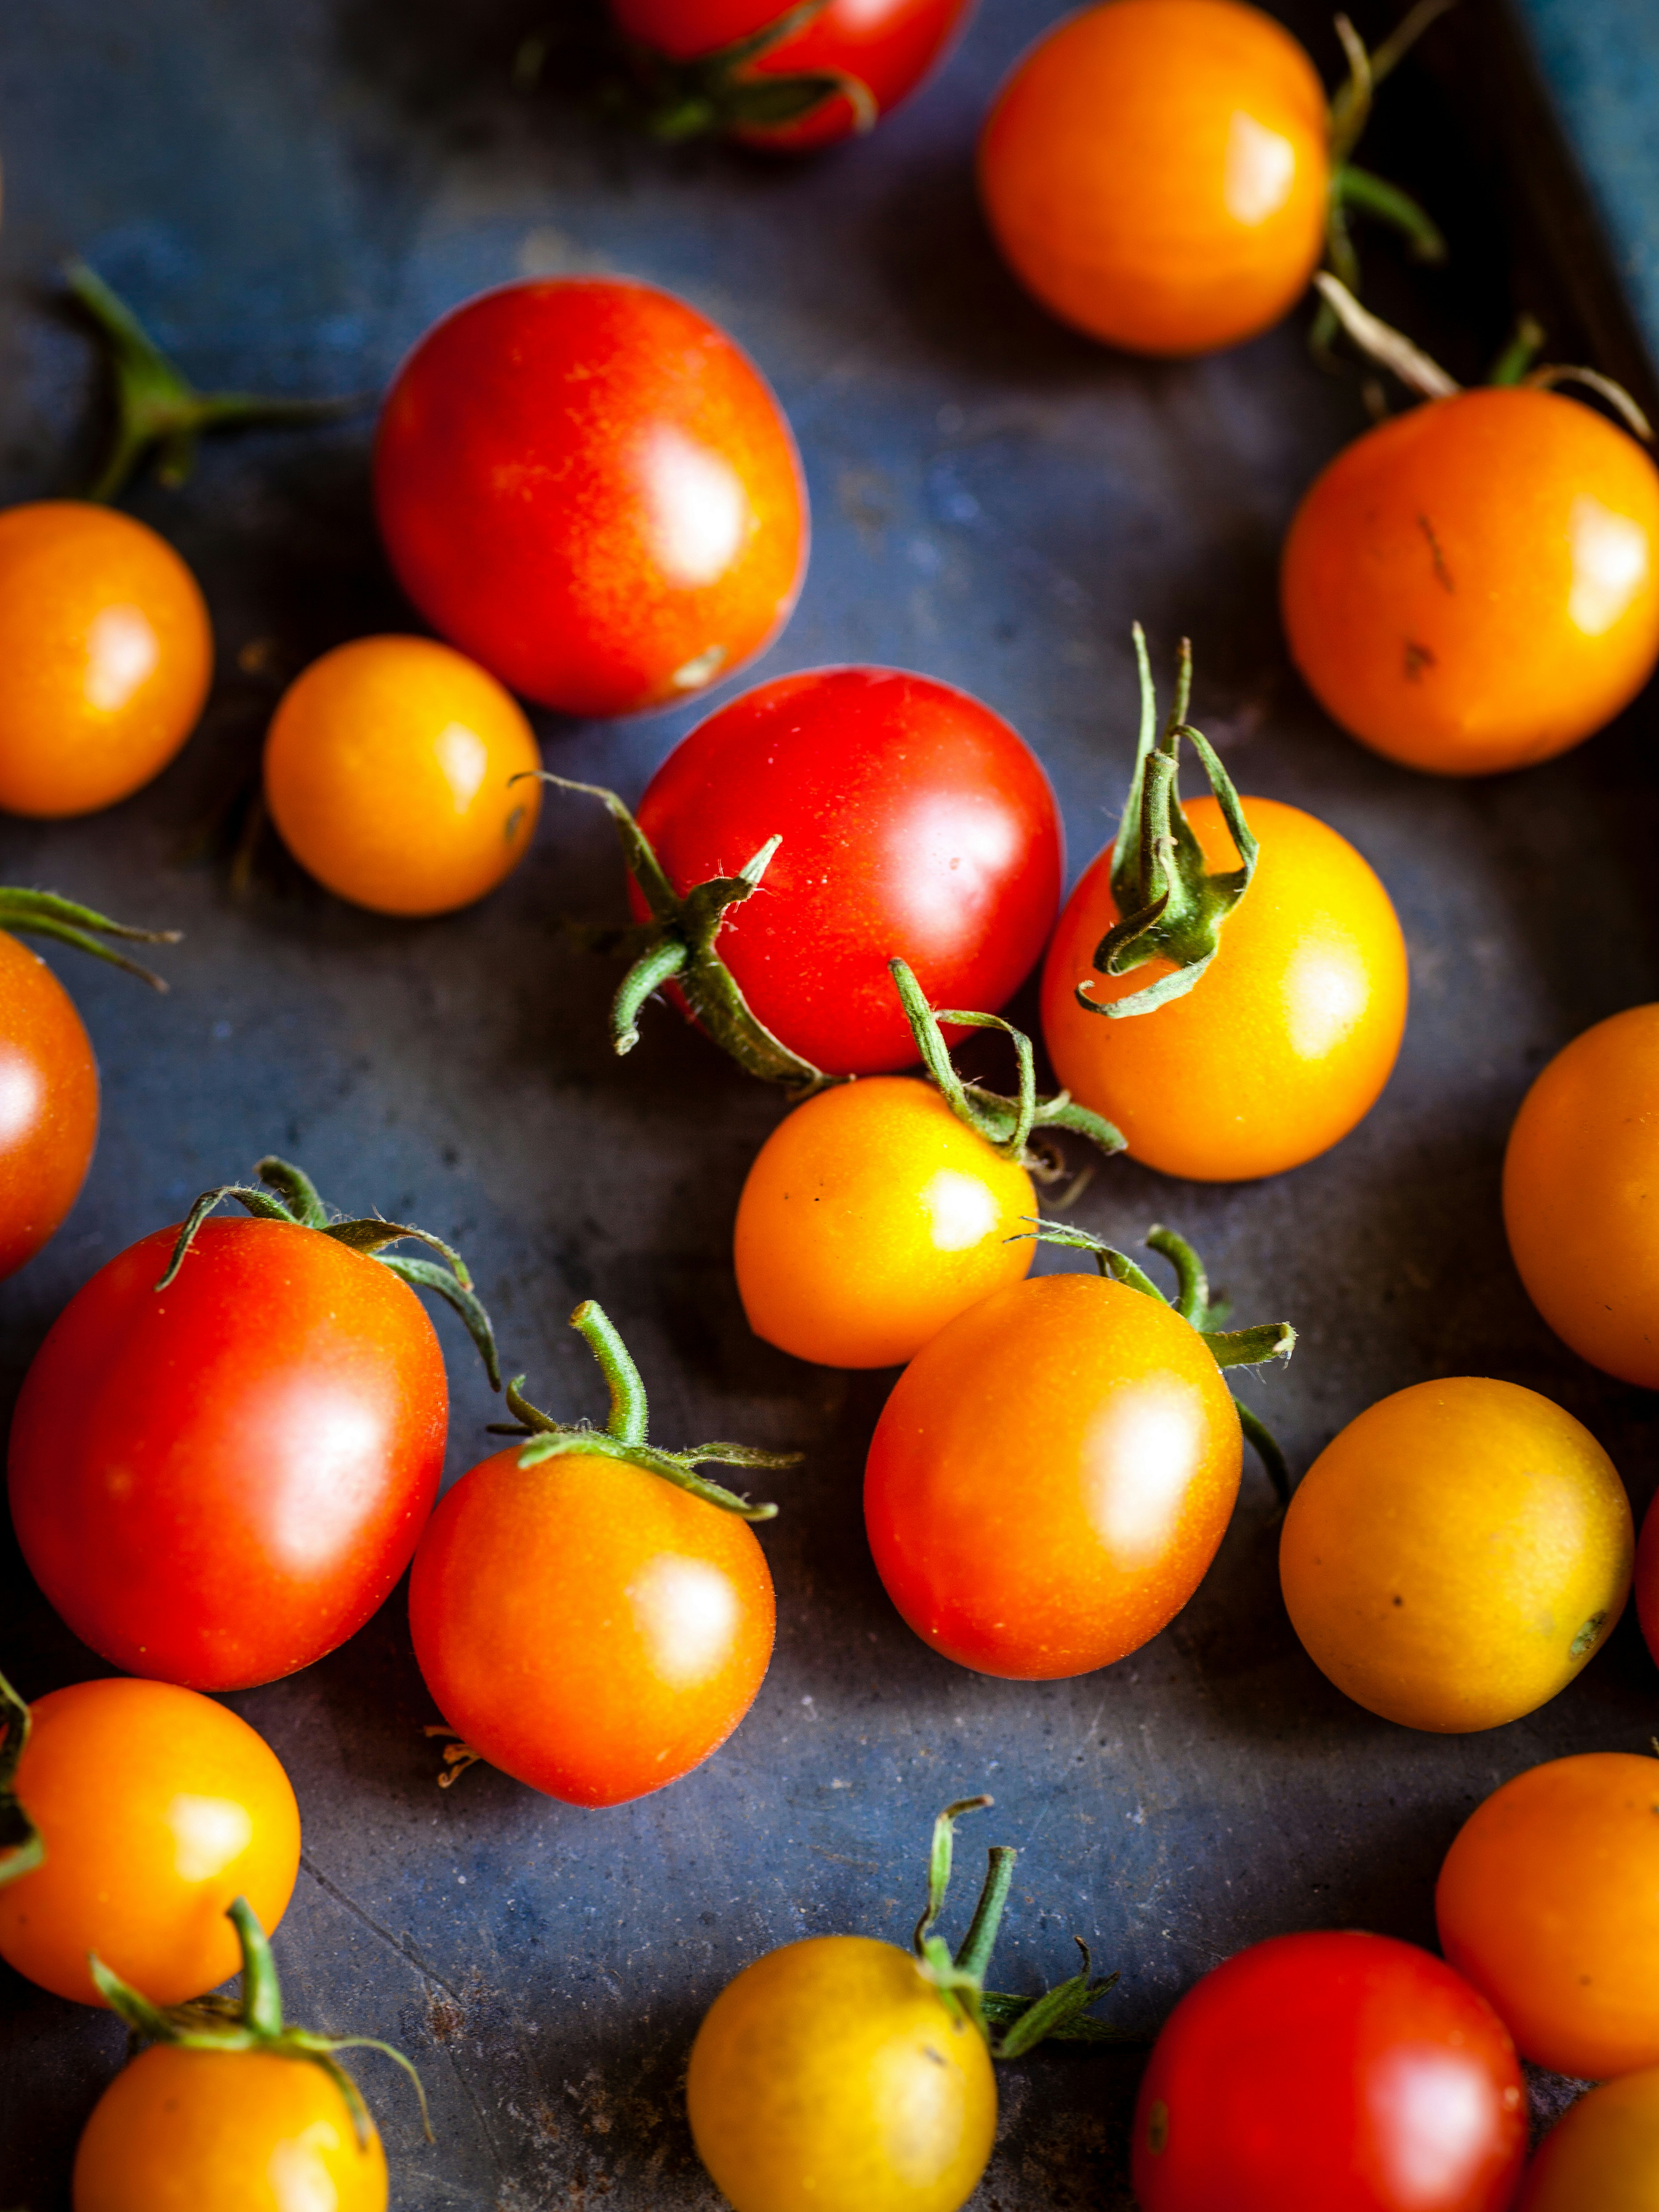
point(389, 771)
point(108, 654)
point(1051, 1477)
point(1548, 1902)
point(1456, 1555)
point(1580, 1178)
point(1157, 172)
point(1604, 2153)
point(587, 1627)
point(1474, 586)
point(156, 1808)
point(1287, 1037)
point(48, 1103)
point(870, 1218)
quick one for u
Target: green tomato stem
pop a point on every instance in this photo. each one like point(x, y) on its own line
point(45, 915)
point(22, 1847)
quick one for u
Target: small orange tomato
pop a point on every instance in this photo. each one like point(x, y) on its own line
point(48, 1103)
point(1287, 1039)
point(1455, 1556)
point(1548, 1902)
point(389, 773)
point(1158, 171)
point(1580, 1177)
point(155, 1807)
point(1474, 584)
point(1604, 2153)
point(870, 1218)
point(108, 654)
point(1051, 1477)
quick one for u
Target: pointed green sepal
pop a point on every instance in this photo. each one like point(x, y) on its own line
point(722, 92)
point(45, 913)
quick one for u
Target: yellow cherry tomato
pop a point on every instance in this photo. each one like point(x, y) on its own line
point(156, 1807)
point(831, 2076)
point(389, 769)
point(870, 1218)
point(108, 653)
point(190, 2130)
point(1455, 1556)
point(1580, 1184)
point(1603, 2157)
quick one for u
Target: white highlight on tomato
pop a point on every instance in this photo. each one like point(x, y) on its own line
point(122, 654)
point(1260, 171)
point(687, 1612)
point(699, 509)
point(208, 1834)
point(1609, 564)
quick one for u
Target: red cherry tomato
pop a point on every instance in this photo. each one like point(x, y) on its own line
point(887, 45)
point(217, 1483)
point(48, 1103)
point(1330, 2073)
point(585, 486)
point(915, 823)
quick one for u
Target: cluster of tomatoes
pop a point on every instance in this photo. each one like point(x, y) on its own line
point(228, 1449)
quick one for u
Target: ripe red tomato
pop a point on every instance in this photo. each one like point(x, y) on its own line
point(1330, 2073)
point(217, 1483)
point(787, 96)
point(585, 486)
point(914, 824)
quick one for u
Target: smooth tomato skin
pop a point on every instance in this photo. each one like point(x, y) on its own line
point(829, 2076)
point(889, 46)
point(1286, 1039)
point(388, 772)
point(583, 485)
point(108, 654)
point(1335, 2072)
point(1474, 586)
point(48, 1103)
point(1155, 173)
point(1548, 1902)
point(218, 1484)
point(1603, 2153)
point(870, 1218)
point(915, 824)
point(158, 1808)
point(177, 2131)
point(1582, 1161)
point(588, 1627)
point(1051, 1478)
point(1455, 1556)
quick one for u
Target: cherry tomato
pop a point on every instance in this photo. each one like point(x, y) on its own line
point(217, 1483)
point(1474, 584)
point(1157, 171)
point(1604, 2153)
point(915, 823)
point(1582, 1157)
point(389, 773)
point(1330, 2073)
point(585, 486)
point(156, 1809)
point(872, 1218)
point(1549, 1902)
point(832, 2076)
point(1051, 1477)
point(48, 1103)
point(1287, 1039)
point(1455, 1556)
point(108, 654)
point(887, 45)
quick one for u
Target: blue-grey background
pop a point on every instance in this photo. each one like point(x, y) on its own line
point(289, 191)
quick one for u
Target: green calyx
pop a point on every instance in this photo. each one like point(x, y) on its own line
point(156, 407)
point(1358, 193)
point(624, 1436)
point(1171, 906)
point(722, 92)
point(45, 914)
point(677, 947)
point(22, 1848)
point(1006, 1124)
point(252, 2022)
point(289, 1195)
point(1229, 1348)
point(1011, 2026)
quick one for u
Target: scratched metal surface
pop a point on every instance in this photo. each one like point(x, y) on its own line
point(289, 191)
